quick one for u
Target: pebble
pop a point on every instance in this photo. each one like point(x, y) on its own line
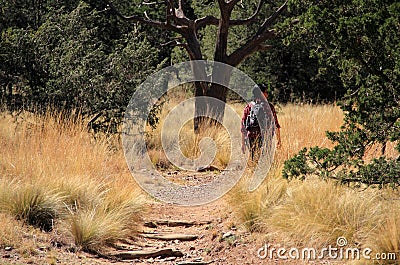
point(227, 234)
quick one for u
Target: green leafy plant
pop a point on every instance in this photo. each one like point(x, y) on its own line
point(363, 44)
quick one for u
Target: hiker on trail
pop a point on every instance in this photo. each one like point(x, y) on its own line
point(252, 131)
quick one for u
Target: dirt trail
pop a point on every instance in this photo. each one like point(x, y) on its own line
point(207, 236)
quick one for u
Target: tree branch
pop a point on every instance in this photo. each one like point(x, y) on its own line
point(213, 21)
point(180, 44)
point(269, 21)
point(221, 3)
point(251, 46)
point(174, 43)
point(255, 43)
point(169, 11)
point(146, 21)
point(206, 21)
point(264, 47)
point(152, 3)
point(177, 15)
point(232, 3)
point(220, 53)
point(250, 19)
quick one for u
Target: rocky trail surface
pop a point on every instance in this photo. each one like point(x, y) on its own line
point(191, 235)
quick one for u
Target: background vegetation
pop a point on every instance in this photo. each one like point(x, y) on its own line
point(360, 39)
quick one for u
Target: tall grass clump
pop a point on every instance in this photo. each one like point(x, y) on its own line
point(54, 172)
point(251, 208)
point(32, 203)
point(115, 217)
point(386, 238)
point(316, 213)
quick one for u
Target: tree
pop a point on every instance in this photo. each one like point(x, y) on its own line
point(362, 39)
point(181, 20)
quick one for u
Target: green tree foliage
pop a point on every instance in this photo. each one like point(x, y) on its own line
point(73, 58)
point(292, 68)
point(293, 74)
point(362, 39)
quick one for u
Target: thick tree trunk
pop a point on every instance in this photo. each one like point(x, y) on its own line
point(200, 106)
point(210, 110)
point(209, 107)
point(199, 71)
point(216, 108)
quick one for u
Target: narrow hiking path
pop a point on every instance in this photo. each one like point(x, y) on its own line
point(185, 235)
point(204, 234)
point(199, 235)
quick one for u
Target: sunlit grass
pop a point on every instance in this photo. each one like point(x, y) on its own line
point(113, 220)
point(251, 207)
point(312, 213)
point(55, 175)
point(10, 235)
point(190, 143)
point(386, 238)
point(32, 203)
point(316, 213)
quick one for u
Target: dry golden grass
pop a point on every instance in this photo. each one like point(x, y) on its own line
point(314, 213)
point(56, 175)
point(14, 235)
point(305, 125)
point(319, 212)
point(190, 143)
point(301, 126)
point(386, 238)
point(10, 235)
